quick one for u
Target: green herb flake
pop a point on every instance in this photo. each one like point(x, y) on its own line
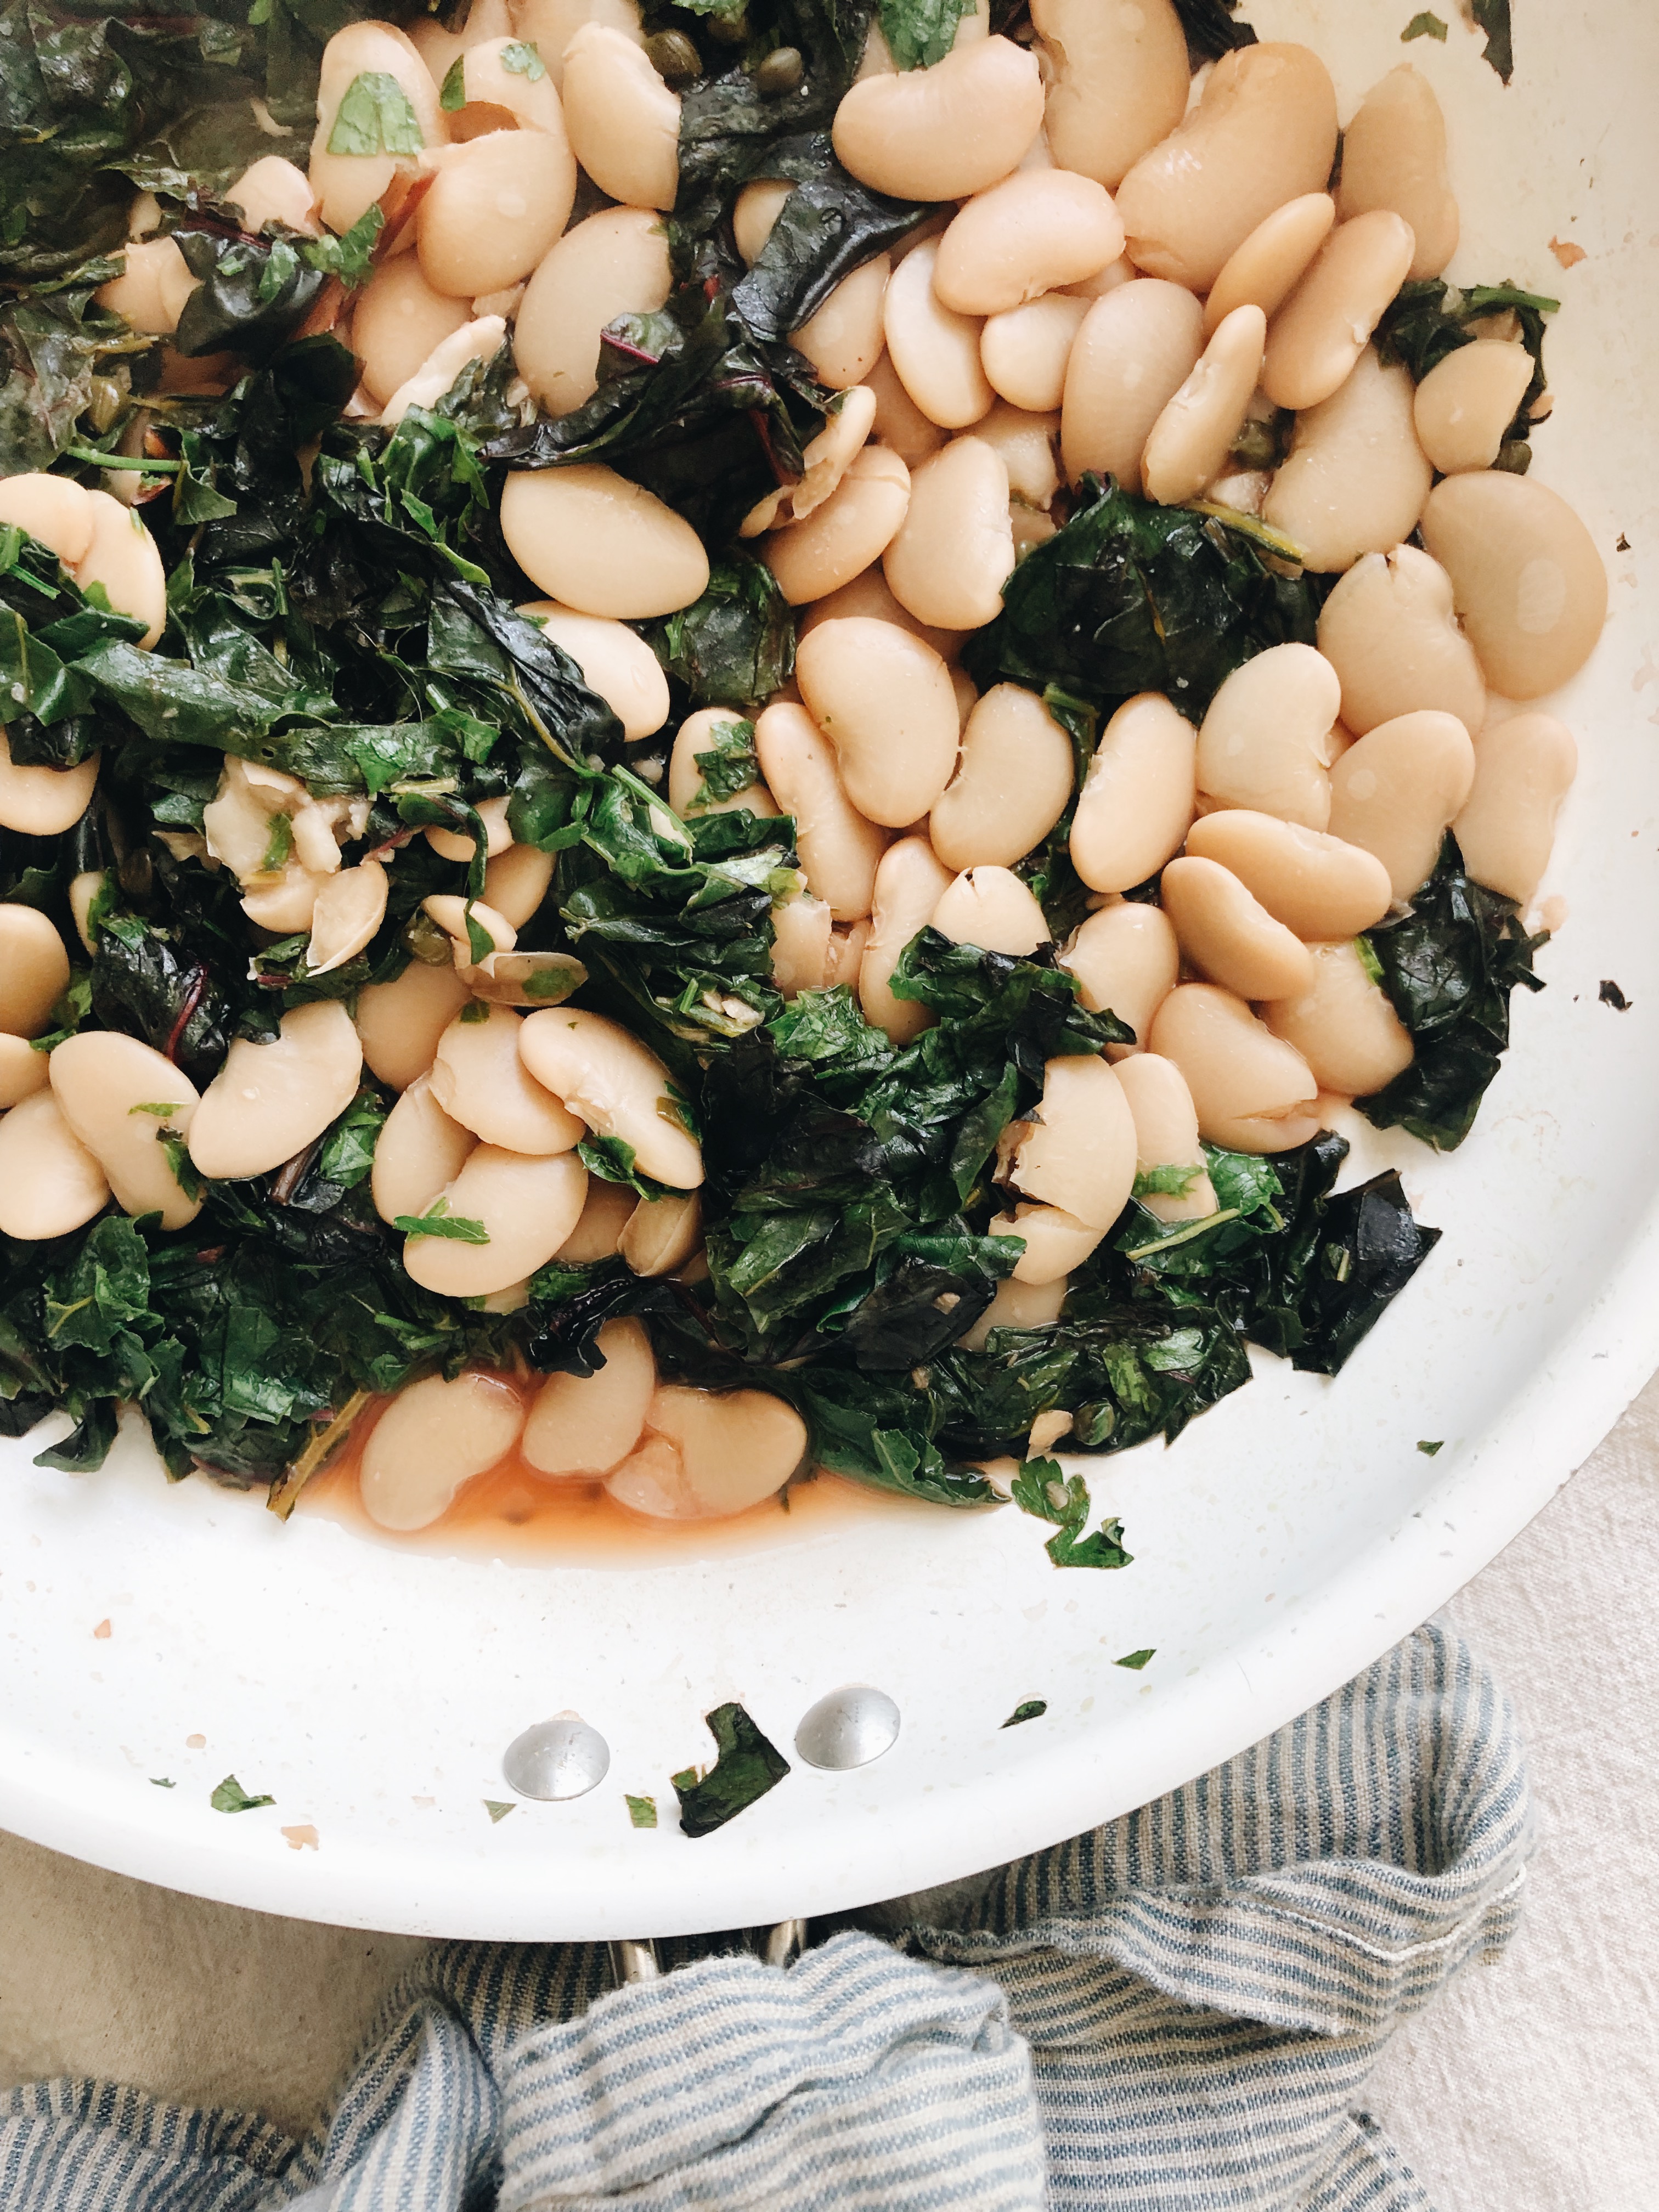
point(520, 57)
point(1168, 1180)
point(1041, 1488)
point(375, 117)
point(920, 32)
point(439, 1221)
point(350, 257)
point(641, 1811)
point(1134, 1660)
point(1425, 25)
point(1429, 1445)
point(730, 765)
point(747, 1767)
point(161, 1112)
point(162, 1781)
point(496, 1810)
point(1032, 1709)
point(231, 1797)
point(454, 93)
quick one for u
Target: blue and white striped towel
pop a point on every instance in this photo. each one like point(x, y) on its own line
point(1176, 2012)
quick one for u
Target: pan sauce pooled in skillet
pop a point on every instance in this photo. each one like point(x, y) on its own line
point(829, 775)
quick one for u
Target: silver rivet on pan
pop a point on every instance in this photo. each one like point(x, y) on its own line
point(560, 1758)
point(849, 1728)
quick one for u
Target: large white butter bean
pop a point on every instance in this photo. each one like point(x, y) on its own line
point(527, 1206)
point(1023, 352)
point(269, 1100)
point(991, 907)
point(662, 1234)
point(1166, 1136)
point(954, 550)
point(1117, 77)
point(909, 884)
point(868, 594)
point(1396, 791)
point(1137, 797)
point(1080, 1152)
point(1027, 444)
point(480, 1080)
point(1252, 1092)
point(493, 209)
point(516, 882)
point(440, 49)
point(839, 848)
point(1316, 885)
point(349, 910)
point(624, 121)
point(1227, 936)
point(1394, 156)
point(1133, 350)
point(899, 423)
point(704, 1456)
point(34, 968)
point(348, 185)
point(1523, 769)
point(398, 322)
point(1055, 1242)
point(616, 1085)
point(614, 263)
point(497, 98)
point(934, 350)
point(1264, 132)
point(155, 283)
point(1035, 231)
point(597, 542)
point(841, 538)
point(50, 1183)
point(1190, 440)
point(271, 190)
point(1343, 1026)
point(433, 1436)
point(1527, 577)
point(1127, 962)
point(941, 133)
point(418, 1154)
point(124, 559)
point(615, 661)
point(479, 340)
point(1325, 326)
point(55, 510)
point(1390, 632)
point(698, 734)
point(23, 1070)
point(584, 1424)
point(606, 1212)
point(550, 25)
point(1356, 479)
point(1465, 404)
point(43, 802)
point(883, 700)
point(1264, 743)
point(118, 1095)
point(1011, 786)
point(844, 339)
point(1267, 267)
point(399, 1023)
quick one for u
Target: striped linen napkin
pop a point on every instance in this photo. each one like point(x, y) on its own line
point(1176, 2012)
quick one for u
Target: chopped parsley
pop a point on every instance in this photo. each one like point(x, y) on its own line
point(1032, 1709)
point(231, 1797)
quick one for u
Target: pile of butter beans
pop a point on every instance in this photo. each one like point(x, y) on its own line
point(1126, 268)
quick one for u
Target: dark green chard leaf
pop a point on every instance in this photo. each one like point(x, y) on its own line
point(828, 226)
point(1429, 318)
point(747, 1767)
point(1028, 1709)
point(920, 32)
point(729, 766)
point(252, 293)
point(736, 645)
point(1211, 28)
point(1492, 16)
point(1041, 1487)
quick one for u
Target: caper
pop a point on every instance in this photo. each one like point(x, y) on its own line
point(781, 70)
point(674, 57)
point(107, 398)
point(1256, 447)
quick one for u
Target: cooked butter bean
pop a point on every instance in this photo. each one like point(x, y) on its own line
point(848, 943)
point(452, 912)
point(418, 1154)
point(1117, 79)
point(50, 1183)
point(883, 700)
point(1011, 786)
point(269, 1100)
point(624, 121)
point(1264, 740)
point(1127, 961)
point(1394, 156)
point(698, 734)
point(899, 423)
point(1227, 936)
point(34, 968)
point(704, 1456)
point(662, 1234)
point(616, 1085)
point(1023, 352)
point(398, 322)
point(801, 931)
point(1343, 1026)
point(868, 594)
point(844, 339)
point(434, 1435)
point(615, 661)
point(349, 910)
point(1055, 1242)
point(1523, 769)
point(271, 190)
point(1316, 885)
point(1396, 791)
point(614, 263)
point(496, 98)
point(909, 886)
point(23, 1070)
point(479, 340)
point(55, 510)
point(597, 542)
point(1017, 1305)
point(1325, 326)
point(1266, 269)
point(118, 1095)
point(1190, 440)
point(285, 901)
point(941, 133)
point(480, 1080)
point(584, 1424)
point(1080, 1152)
point(516, 882)
point(124, 558)
point(606, 1212)
point(1252, 1092)
point(954, 550)
point(1166, 1137)
point(824, 461)
point(840, 539)
point(527, 1206)
point(992, 909)
point(348, 185)
point(550, 25)
point(934, 350)
point(1263, 133)
point(839, 848)
point(523, 979)
point(492, 812)
point(155, 283)
point(399, 1023)
point(1466, 403)
point(1134, 351)
point(1390, 632)
point(1137, 799)
point(494, 209)
point(1037, 230)
point(1356, 479)
point(1026, 443)
point(1527, 577)
point(754, 213)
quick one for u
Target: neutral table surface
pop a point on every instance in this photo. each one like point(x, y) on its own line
point(1532, 2086)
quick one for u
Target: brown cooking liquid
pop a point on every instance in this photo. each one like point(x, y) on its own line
point(513, 1513)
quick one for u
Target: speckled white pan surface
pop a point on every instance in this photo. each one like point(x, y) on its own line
point(1289, 1537)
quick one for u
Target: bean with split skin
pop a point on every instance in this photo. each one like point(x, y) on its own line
point(601, 545)
point(480, 1080)
point(1166, 1136)
point(584, 1425)
point(269, 1100)
point(433, 1436)
point(1397, 790)
point(1267, 266)
point(454, 914)
point(1132, 352)
point(1117, 82)
point(1356, 478)
point(1012, 784)
point(1137, 797)
point(1264, 741)
point(1026, 443)
point(1227, 936)
point(1394, 156)
point(1343, 1026)
point(1389, 630)
point(662, 1234)
point(349, 910)
point(1253, 1092)
point(705, 1453)
point(50, 1183)
point(1055, 1242)
point(526, 1206)
point(1078, 1151)
point(941, 133)
point(494, 97)
point(1037, 230)
point(624, 121)
point(1127, 962)
point(616, 1085)
point(824, 461)
point(909, 883)
point(614, 263)
point(1017, 1305)
point(839, 848)
point(992, 909)
point(883, 700)
point(840, 539)
point(1523, 769)
point(954, 549)
point(348, 185)
point(1316, 885)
